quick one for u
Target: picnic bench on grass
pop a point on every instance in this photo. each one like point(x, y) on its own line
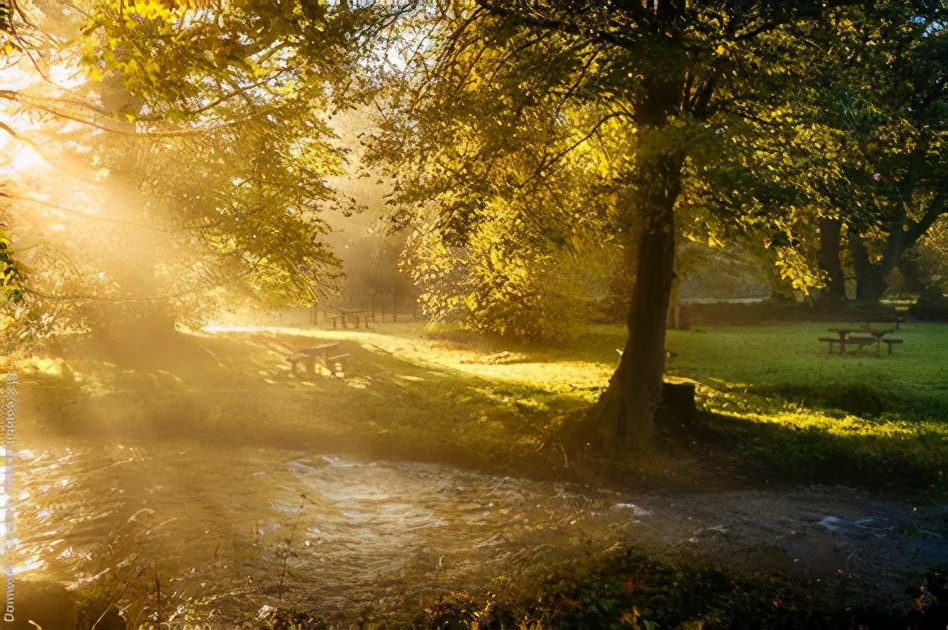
point(307, 358)
point(344, 315)
point(861, 336)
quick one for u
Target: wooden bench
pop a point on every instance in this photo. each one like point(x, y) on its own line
point(334, 364)
point(861, 342)
point(890, 342)
point(830, 341)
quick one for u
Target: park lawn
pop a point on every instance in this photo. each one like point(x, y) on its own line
point(795, 413)
point(774, 405)
point(777, 406)
point(786, 364)
point(772, 369)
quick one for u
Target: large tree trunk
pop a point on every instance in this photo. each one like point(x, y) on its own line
point(903, 234)
point(830, 246)
point(872, 279)
point(629, 404)
point(870, 282)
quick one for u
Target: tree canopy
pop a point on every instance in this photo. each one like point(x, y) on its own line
point(196, 149)
point(857, 148)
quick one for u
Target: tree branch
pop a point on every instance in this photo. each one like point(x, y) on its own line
point(562, 154)
point(936, 209)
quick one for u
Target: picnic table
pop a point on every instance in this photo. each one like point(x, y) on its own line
point(343, 315)
point(861, 336)
point(307, 357)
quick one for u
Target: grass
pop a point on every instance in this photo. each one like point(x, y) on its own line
point(776, 405)
point(775, 408)
point(784, 362)
point(798, 414)
point(787, 363)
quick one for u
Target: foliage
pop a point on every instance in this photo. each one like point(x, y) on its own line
point(933, 255)
point(926, 272)
point(764, 153)
point(502, 281)
point(627, 589)
point(858, 141)
point(212, 171)
point(484, 244)
point(10, 271)
point(220, 61)
point(495, 214)
point(569, 110)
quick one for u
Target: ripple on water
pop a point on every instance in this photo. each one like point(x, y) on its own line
point(373, 521)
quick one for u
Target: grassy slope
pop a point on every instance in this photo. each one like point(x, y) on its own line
point(778, 407)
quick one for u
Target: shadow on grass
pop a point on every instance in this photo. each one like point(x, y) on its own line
point(239, 390)
point(870, 401)
point(778, 454)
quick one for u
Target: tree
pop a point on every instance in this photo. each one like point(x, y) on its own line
point(926, 272)
point(862, 143)
point(502, 265)
point(11, 273)
point(908, 153)
point(202, 147)
point(668, 81)
point(881, 102)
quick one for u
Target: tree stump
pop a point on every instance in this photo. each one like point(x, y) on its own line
point(679, 400)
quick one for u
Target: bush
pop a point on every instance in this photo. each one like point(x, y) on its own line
point(504, 283)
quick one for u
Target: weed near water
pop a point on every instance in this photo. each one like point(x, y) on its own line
point(625, 588)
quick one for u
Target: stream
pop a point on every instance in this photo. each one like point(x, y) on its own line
point(197, 528)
